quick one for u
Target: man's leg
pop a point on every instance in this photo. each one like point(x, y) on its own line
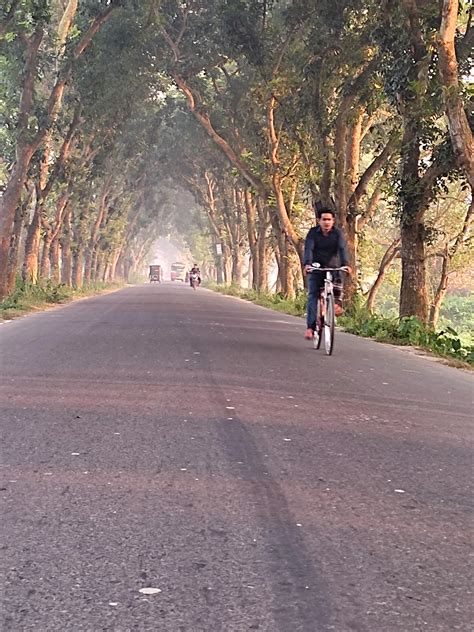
point(338, 293)
point(337, 282)
point(314, 289)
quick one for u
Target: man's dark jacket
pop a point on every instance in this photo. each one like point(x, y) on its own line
point(323, 250)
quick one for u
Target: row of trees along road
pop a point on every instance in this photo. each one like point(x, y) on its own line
point(114, 110)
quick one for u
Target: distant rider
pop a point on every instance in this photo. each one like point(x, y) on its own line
point(194, 270)
point(324, 244)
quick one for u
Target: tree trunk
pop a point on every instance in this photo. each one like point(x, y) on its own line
point(54, 258)
point(340, 163)
point(87, 266)
point(33, 240)
point(250, 211)
point(219, 269)
point(14, 252)
point(285, 277)
point(441, 289)
point(387, 259)
point(413, 291)
point(99, 267)
point(113, 264)
point(350, 282)
point(77, 268)
point(237, 267)
point(286, 271)
point(459, 130)
point(45, 262)
point(66, 251)
point(127, 268)
point(353, 150)
point(326, 178)
point(262, 277)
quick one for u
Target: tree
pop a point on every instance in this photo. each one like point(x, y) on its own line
point(29, 25)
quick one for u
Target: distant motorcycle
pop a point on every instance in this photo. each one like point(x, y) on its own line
point(195, 280)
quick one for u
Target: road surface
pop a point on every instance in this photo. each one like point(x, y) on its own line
point(177, 440)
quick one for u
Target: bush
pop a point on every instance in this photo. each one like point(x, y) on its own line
point(407, 331)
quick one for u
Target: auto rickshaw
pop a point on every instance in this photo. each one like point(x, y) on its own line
point(155, 274)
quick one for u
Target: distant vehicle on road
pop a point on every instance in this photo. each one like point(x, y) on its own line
point(178, 271)
point(156, 274)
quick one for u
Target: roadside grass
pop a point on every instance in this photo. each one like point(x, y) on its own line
point(30, 297)
point(445, 343)
point(295, 307)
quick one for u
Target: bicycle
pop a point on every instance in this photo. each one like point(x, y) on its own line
point(325, 317)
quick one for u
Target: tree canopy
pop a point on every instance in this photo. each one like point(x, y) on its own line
point(230, 122)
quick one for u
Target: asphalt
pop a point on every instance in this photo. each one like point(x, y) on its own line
point(160, 437)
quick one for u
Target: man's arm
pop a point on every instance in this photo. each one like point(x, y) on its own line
point(342, 250)
point(308, 248)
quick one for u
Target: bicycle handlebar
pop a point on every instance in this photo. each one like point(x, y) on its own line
point(317, 268)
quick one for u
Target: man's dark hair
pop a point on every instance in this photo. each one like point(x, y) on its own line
point(323, 210)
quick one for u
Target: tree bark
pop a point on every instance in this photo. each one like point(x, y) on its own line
point(387, 259)
point(352, 238)
point(459, 129)
point(263, 215)
point(77, 268)
point(413, 290)
point(14, 251)
point(66, 250)
point(113, 264)
point(441, 289)
point(44, 271)
point(251, 213)
point(353, 150)
point(53, 232)
point(33, 239)
point(54, 258)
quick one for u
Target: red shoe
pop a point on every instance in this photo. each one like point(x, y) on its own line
point(309, 334)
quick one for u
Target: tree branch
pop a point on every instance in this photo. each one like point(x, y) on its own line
point(377, 163)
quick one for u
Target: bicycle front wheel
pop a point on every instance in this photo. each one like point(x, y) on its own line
point(329, 325)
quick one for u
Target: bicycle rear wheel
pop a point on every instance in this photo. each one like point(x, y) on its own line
point(329, 325)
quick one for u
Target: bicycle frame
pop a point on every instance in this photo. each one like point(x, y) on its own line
point(325, 317)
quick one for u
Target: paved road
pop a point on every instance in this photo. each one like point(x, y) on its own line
point(162, 438)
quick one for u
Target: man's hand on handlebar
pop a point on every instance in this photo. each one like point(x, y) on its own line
point(314, 268)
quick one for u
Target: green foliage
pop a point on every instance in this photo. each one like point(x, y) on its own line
point(457, 312)
point(407, 331)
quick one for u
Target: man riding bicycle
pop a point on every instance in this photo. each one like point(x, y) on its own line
point(324, 244)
